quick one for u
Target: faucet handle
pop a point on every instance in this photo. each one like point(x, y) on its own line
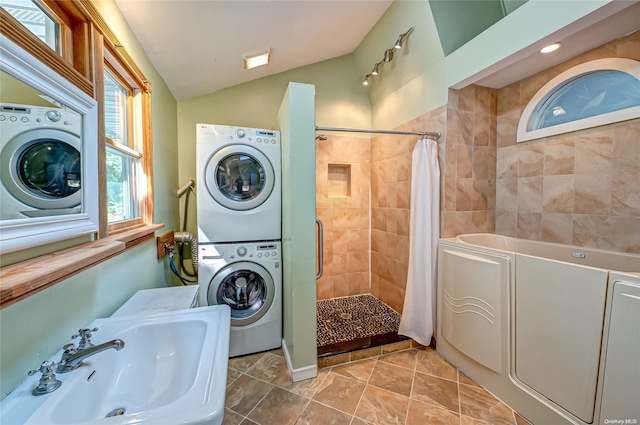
point(85, 338)
point(48, 382)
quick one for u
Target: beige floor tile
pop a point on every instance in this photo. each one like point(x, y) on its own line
point(421, 413)
point(435, 391)
point(405, 359)
point(248, 422)
point(231, 418)
point(382, 407)
point(358, 421)
point(245, 393)
point(232, 375)
point(319, 414)
point(392, 378)
point(340, 392)
point(268, 368)
point(306, 388)
point(279, 407)
point(480, 404)
point(360, 370)
point(464, 379)
point(466, 420)
point(430, 362)
point(243, 363)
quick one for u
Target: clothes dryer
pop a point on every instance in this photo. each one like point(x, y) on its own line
point(40, 161)
point(248, 278)
point(239, 181)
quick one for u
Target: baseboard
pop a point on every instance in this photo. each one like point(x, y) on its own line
point(302, 373)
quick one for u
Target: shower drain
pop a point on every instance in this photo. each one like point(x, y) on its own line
point(345, 316)
point(116, 412)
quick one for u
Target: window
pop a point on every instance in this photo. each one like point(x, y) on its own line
point(33, 16)
point(589, 95)
point(61, 26)
point(124, 145)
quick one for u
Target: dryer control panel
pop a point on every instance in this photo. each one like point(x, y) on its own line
point(235, 252)
point(30, 116)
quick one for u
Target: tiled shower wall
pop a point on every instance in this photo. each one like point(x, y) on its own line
point(342, 204)
point(468, 202)
point(580, 188)
point(390, 204)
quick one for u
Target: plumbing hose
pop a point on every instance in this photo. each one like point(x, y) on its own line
point(174, 269)
point(186, 237)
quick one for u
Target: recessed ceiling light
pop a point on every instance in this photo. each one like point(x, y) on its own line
point(550, 48)
point(255, 59)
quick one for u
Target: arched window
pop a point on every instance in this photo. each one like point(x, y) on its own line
point(595, 93)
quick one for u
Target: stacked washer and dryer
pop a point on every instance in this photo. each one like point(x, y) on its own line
point(239, 231)
point(40, 161)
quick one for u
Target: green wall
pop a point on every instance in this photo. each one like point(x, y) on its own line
point(420, 85)
point(341, 101)
point(36, 328)
point(296, 122)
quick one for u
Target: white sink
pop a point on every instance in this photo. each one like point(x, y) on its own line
point(172, 370)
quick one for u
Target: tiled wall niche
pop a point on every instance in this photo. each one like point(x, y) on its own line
point(580, 188)
point(343, 174)
point(339, 180)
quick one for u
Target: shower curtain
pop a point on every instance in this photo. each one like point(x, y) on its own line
point(418, 316)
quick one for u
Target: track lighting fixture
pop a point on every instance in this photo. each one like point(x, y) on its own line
point(398, 44)
point(388, 55)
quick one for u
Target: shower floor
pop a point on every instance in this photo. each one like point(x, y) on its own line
point(356, 322)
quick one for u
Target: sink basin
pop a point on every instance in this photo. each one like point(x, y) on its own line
point(172, 370)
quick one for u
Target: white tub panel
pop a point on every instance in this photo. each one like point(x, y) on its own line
point(472, 285)
point(559, 313)
point(621, 387)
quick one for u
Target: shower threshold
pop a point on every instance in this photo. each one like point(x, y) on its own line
point(353, 323)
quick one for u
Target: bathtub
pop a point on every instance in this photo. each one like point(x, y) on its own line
point(526, 320)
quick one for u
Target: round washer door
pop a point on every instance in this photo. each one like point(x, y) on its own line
point(41, 168)
point(244, 286)
point(239, 177)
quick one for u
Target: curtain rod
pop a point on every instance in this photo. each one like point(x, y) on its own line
point(437, 134)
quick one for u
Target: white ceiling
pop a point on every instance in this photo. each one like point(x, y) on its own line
point(196, 45)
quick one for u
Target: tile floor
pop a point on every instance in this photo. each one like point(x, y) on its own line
point(410, 387)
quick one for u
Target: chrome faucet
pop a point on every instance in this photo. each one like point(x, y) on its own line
point(72, 358)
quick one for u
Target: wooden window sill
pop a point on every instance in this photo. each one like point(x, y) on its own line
point(20, 280)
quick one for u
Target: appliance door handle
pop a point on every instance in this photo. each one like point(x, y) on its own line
point(320, 249)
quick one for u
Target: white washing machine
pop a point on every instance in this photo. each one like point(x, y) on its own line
point(40, 161)
point(239, 181)
point(248, 278)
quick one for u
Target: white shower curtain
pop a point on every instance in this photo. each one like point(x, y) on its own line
point(418, 315)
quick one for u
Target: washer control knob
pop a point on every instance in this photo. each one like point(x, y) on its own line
point(241, 251)
point(240, 133)
point(53, 116)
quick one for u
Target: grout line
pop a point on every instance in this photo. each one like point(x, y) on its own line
point(459, 398)
point(366, 384)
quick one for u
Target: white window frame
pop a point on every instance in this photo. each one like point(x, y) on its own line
point(26, 233)
point(532, 109)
